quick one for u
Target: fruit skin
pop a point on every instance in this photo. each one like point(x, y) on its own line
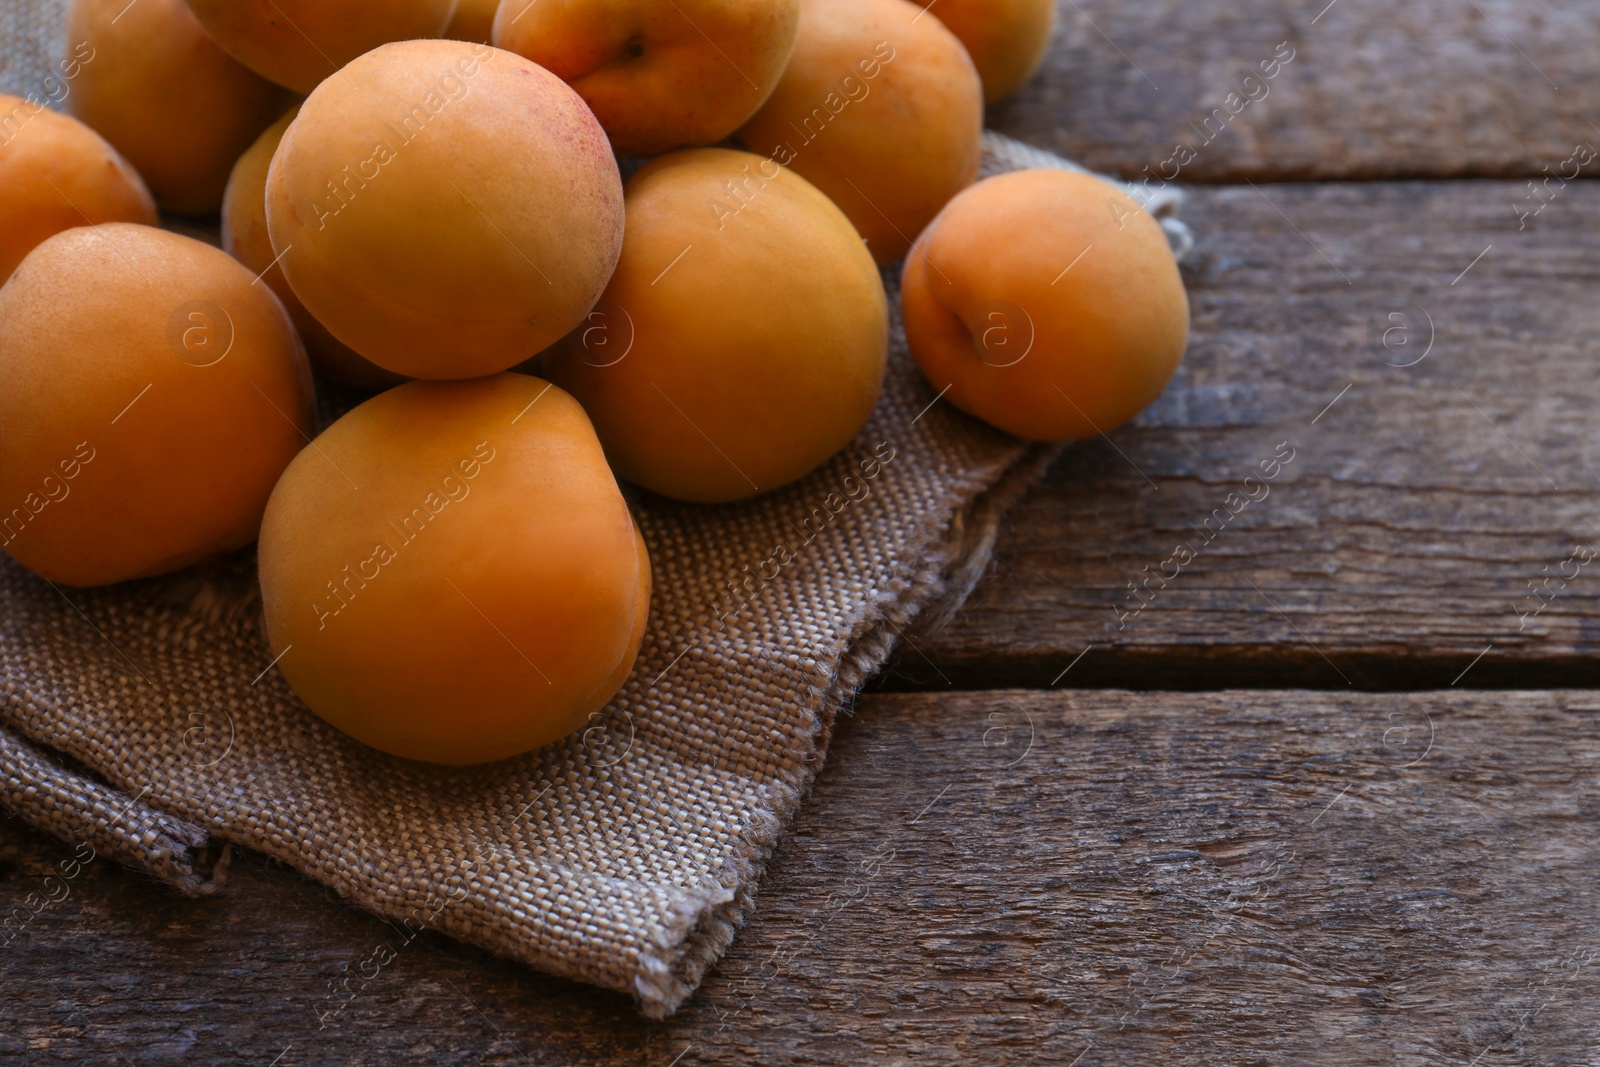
point(881, 109)
point(54, 173)
point(298, 43)
point(174, 103)
point(150, 396)
point(659, 76)
point(751, 357)
point(1007, 39)
point(1028, 336)
point(245, 238)
point(473, 21)
point(508, 598)
point(458, 245)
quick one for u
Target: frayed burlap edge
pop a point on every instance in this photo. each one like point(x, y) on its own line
point(79, 810)
point(930, 596)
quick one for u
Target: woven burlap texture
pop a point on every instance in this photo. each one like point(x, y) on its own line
point(625, 856)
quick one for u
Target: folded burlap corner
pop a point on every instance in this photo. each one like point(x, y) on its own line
point(625, 856)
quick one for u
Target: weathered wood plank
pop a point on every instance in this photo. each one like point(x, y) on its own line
point(1399, 542)
point(1426, 88)
point(1000, 877)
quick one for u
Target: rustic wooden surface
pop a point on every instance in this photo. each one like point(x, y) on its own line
point(1419, 88)
point(1217, 878)
point(1063, 875)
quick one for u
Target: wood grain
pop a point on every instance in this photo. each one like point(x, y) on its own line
point(1245, 877)
point(1425, 88)
point(1400, 541)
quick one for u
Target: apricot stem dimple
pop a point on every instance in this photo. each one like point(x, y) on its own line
point(974, 339)
point(944, 298)
point(658, 75)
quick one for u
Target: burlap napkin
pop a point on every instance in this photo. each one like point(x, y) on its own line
point(625, 856)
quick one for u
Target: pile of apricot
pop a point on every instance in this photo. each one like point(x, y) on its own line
point(421, 201)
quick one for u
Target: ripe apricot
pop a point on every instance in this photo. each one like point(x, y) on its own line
point(150, 396)
point(445, 209)
point(174, 103)
point(743, 338)
point(658, 76)
point(1007, 39)
point(451, 574)
point(473, 21)
point(881, 109)
point(244, 236)
point(298, 43)
point(57, 173)
point(1047, 302)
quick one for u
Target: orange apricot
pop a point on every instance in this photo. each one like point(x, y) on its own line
point(57, 173)
point(1007, 39)
point(445, 209)
point(452, 574)
point(298, 43)
point(150, 395)
point(742, 340)
point(176, 105)
point(881, 109)
point(244, 236)
point(658, 76)
point(1047, 302)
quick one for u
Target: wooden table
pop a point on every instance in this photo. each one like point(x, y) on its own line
point(1328, 795)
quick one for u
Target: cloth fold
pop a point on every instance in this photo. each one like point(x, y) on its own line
point(626, 855)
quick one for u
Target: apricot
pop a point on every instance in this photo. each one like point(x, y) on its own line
point(881, 109)
point(658, 76)
point(57, 173)
point(445, 209)
point(244, 236)
point(451, 574)
point(473, 21)
point(1047, 302)
point(742, 340)
point(176, 105)
point(150, 396)
point(1007, 39)
point(298, 43)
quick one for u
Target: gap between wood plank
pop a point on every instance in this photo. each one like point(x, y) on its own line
point(1186, 671)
